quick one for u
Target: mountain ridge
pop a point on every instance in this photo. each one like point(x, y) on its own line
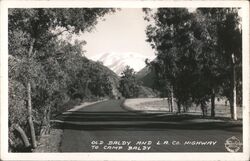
point(118, 61)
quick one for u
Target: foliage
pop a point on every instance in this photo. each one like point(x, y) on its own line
point(129, 87)
point(171, 37)
point(54, 67)
point(194, 52)
point(224, 39)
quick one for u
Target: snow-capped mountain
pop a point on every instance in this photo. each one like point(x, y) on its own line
point(118, 61)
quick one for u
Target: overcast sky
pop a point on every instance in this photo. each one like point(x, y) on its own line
point(121, 32)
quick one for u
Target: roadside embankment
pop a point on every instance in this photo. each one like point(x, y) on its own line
point(161, 105)
point(146, 104)
point(52, 141)
point(193, 115)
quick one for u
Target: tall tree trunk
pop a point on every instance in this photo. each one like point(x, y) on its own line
point(46, 122)
point(171, 104)
point(170, 107)
point(213, 104)
point(30, 120)
point(233, 106)
point(23, 135)
point(231, 102)
point(234, 94)
point(203, 109)
point(179, 106)
point(185, 107)
point(86, 87)
point(172, 98)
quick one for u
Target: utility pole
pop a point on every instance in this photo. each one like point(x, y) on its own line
point(234, 88)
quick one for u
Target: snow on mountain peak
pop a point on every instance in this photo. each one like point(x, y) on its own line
point(118, 61)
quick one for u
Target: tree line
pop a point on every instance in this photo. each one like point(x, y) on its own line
point(199, 55)
point(46, 73)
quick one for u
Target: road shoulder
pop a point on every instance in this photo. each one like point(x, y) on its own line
point(84, 104)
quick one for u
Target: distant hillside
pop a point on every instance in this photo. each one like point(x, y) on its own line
point(144, 71)
point(146, 92)
point(146, 76)
point(114, 64)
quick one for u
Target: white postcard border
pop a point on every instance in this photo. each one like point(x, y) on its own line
point(5, 4)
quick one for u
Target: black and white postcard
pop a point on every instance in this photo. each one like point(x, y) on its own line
point(124, 80)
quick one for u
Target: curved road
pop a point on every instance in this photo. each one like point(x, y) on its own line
point(107, 127)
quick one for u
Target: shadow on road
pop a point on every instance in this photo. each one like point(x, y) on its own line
point(151, 126)
point(110, 120)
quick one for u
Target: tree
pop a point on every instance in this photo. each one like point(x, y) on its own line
point(30, 33)
point(227, 46)
point(161, 83)
point(208, 65)
point(129, 87)
point(171, 37)
point(194, 53)
point(100, 84)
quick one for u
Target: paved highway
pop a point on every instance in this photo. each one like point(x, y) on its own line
point(107, 127)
